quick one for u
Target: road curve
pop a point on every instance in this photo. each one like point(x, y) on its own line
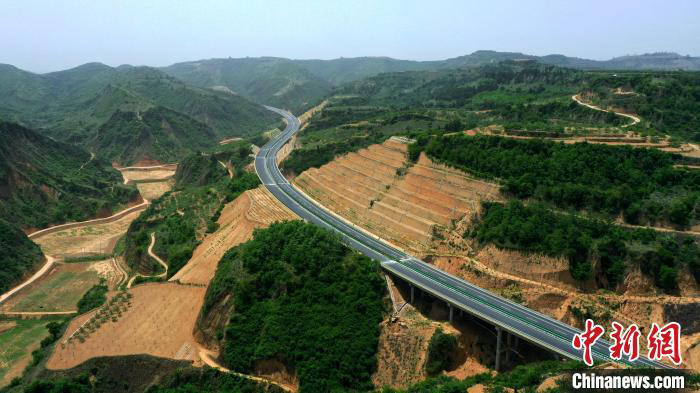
point(510, 316)
point(154, 256)
point(634, 118)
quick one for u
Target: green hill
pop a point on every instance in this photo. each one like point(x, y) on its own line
point(72, 104)
point(18, 255)
point(266, 80)
point(45, 182)
point(332, 345)
point(294, 84)
point(157, 134)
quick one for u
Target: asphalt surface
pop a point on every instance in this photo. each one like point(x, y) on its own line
point(512, 317)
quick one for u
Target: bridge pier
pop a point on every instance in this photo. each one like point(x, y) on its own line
point(412, 294)
point(498, 348)
point(511, 341)
point(509, 338)
point(451, 311)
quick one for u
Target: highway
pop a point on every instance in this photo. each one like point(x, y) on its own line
point(512, 317)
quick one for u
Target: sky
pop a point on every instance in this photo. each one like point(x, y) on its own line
point(51, 35)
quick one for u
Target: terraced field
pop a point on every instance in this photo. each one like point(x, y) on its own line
point(253, 209)
point(160, 317)
point(377, 189)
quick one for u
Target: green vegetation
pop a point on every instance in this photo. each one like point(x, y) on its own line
point(142, 280)
point(72, 104)
point(275, 277)
point(16, 341)
point(639, 183)
point(46, 182)
point(302, 159)
point(441, 350)
point(87, 258)
point(667, 102)
point(18, 255)
point(525, 377)
point(93, 298)
point(157, 133)
point(534, 228)
point(176, 378)
point(515, 95)
point(210, 380)
point(181, 218)
point(267, 80)
point(58, 292)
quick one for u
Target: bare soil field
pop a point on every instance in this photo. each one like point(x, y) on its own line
point(426, 208)
point(253, 209)
point(61, 288)
point(161, 318)
point(136, 175)
point(404, 340)
point(86, 239)
point(154, 190)
point(373, 188)
point(158, 322)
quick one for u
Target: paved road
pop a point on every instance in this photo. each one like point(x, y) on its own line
point(512, 317)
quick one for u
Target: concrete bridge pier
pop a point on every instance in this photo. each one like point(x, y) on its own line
point(498, 348)
point(508, 346)
point(413, 294)
point(451, 311)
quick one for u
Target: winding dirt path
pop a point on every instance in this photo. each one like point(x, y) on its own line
point(50, 260)
point(230, 172)
point(634, 118)
point(92, 157)
point(205, 355)
point(154, 256)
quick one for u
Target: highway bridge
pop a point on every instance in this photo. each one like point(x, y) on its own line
point(509, 318)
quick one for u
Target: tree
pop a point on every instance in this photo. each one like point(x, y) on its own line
point(440, 352)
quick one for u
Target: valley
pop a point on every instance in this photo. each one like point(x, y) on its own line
point(79, 256)
point(163, 216)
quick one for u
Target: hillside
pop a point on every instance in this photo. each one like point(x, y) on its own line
point(328, 347)
point(509, 95)
point(267, 80)
point(204, 184)
point(19, 256)
point(44, 182)
point(72, 104)
point(157, 134)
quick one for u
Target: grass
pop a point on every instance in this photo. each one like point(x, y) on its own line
point(87, 258)
point(18, 342)
point(60, 292)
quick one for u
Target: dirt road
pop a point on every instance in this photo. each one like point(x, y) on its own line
point(230, 173)
point(154, 256)
point(206, 358)
point(47, 266)
point(634, 118)
point(51, 260)
point(69, 225)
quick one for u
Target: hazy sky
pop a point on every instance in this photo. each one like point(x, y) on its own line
point(51, 35)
